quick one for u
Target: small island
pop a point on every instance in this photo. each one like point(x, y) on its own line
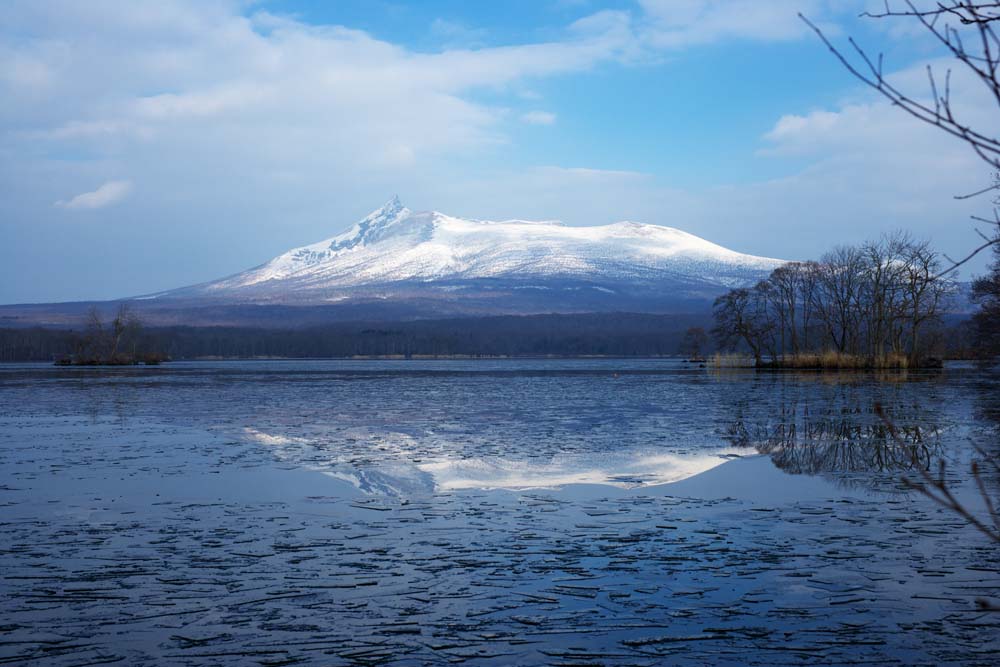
point(119, 342)
point(875, 306)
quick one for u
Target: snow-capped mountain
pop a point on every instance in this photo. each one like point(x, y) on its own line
point(396, 253)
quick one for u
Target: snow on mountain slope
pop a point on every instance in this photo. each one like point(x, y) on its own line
point(394, 245)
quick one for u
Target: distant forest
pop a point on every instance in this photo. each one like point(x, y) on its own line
point(604, 334)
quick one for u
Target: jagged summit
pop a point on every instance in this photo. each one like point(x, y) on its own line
point(394, 250)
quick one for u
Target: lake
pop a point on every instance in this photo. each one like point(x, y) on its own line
point(595, 511)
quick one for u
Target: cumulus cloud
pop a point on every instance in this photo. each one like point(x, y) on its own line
point(106, 195)
point(173, 71)
point(263, 87)
point(870, 167)
point(149, 82)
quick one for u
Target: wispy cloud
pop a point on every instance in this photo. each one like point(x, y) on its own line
point(106, 195)
point(456, 34)
point(538, 118)
point(675, 24)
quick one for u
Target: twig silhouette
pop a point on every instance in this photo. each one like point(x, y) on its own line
point(936, 488)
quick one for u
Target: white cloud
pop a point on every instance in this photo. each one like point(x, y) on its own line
point(262, 132)
point(874, 132)
point(673, 24)
point(865, 167)
point(106, 195)
point(150, 80)
point(538, 118)
point(872, 168)
point(150, 83)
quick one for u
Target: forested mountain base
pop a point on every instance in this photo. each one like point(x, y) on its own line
point(605, 334)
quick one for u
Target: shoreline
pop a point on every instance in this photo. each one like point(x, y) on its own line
point(551, 357)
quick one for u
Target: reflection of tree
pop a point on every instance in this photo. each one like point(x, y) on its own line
point(940, 489)
point(844, 440)
point(987, 399)
point(891, 431)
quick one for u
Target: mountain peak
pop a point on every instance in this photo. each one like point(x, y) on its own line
point(387, 211)
point(393, 247)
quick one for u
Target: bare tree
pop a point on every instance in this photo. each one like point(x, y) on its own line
point(870, 304)
point(693, 344)
point(924, 294)
point(837, 297)
point(740, 316)
point(124, 333)
point(116, 342)
point(966, 30)
point(881, 292)
point(808, 283)
point(92, 348)
point(786, 281)
point(986, 322)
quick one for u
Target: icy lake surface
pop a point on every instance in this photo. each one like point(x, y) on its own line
point(561, 512)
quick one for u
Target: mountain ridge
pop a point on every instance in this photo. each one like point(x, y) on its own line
point(394, 246)
point(397, 264)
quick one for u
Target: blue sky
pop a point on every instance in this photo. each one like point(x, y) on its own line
point(147, 146)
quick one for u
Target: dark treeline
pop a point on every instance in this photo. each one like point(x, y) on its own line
point(36, 344)
point(986, 321)
point(874, 305)
point(610, 334)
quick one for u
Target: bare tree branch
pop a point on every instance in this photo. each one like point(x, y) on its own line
point(981, 57)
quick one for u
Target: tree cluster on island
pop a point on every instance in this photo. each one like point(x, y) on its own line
point(876, 305)
point(118, 342)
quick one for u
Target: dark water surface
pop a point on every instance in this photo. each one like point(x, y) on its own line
point(490, 512)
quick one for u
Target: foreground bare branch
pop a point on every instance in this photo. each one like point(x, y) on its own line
point(974, 44)
point(935, 487)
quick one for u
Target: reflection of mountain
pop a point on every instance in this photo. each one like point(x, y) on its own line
point(625, 469)
point(403, 470)
point(392, 481)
